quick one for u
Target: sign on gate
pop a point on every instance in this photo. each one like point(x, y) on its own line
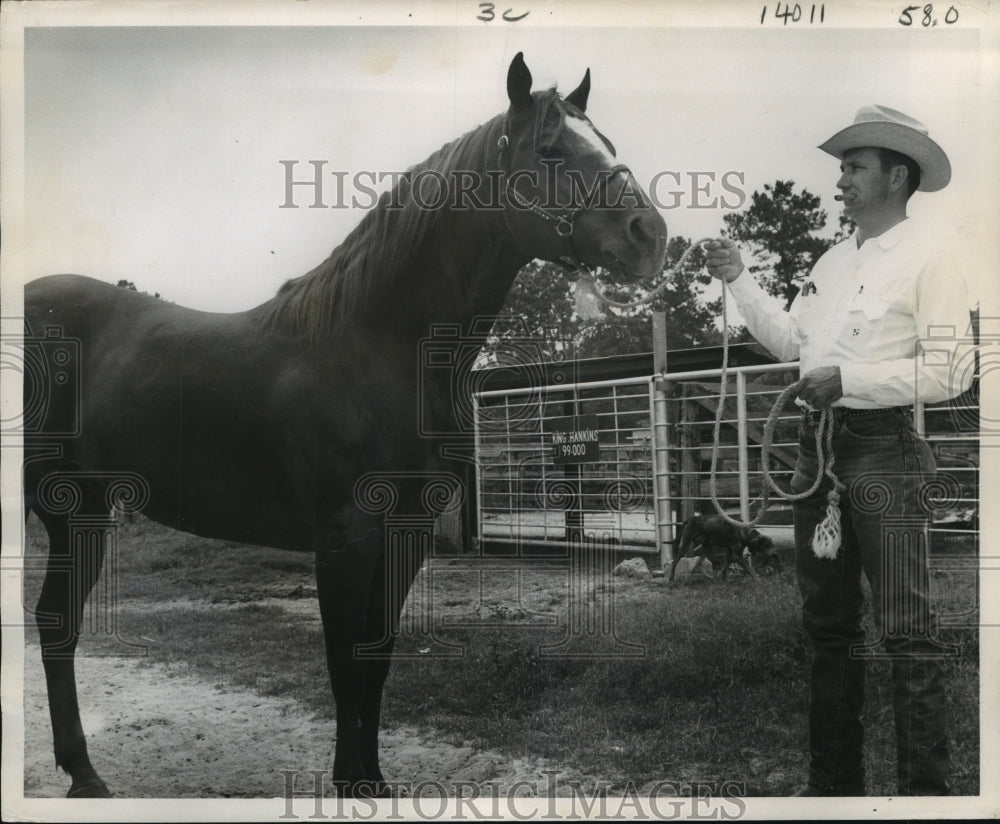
point(574, 439)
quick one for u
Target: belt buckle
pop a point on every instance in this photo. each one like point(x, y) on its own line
point(811, 417)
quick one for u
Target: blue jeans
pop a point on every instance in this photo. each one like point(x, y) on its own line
point(884, 465)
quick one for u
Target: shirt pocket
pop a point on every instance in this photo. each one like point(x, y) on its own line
point(872, 307)
point(865, 321)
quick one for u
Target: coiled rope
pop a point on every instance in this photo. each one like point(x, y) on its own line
point(826, 538)
point(590, 303)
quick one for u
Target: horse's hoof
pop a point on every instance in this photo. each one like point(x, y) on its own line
point(91, 788)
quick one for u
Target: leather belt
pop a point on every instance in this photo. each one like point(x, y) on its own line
point(812, 417)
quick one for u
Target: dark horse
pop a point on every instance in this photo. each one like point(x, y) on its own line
point(257, 427)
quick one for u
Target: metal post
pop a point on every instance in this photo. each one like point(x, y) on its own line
point(741, 445)
point(660, 442)
point(920, 427)
point(472, 524)
point(573, 475)
point(619, 519)
point(509, 465)
point(688, 456)
point(660, 454)
point(660, 343)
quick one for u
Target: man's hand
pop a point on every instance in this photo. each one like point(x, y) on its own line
point(722, 259)
point(820, 387)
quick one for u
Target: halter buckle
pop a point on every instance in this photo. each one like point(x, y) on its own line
point(564, 227)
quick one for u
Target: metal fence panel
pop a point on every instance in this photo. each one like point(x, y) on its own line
point(525, 496)
point(652, 466)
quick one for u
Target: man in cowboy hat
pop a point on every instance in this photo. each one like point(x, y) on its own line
point(874, 330)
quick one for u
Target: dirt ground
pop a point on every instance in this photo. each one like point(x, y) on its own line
point(225, 741)
point(234, 742)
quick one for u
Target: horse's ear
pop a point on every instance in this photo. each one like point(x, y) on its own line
point(519, 83)
point(578, 97)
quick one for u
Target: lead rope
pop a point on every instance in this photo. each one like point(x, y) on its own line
point(590, 304)
point(591, 301)
point(826, 538)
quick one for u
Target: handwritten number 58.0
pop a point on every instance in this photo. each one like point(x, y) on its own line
point(928, 19)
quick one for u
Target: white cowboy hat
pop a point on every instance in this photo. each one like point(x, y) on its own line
point(885, 128)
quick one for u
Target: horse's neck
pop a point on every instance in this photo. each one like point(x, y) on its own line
point(484, 265)
point(459, 274)
point(463, 260)
point(404, 270)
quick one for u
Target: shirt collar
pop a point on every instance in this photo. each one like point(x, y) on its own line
point(888, 238)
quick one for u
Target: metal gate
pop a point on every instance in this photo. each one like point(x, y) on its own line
point(525, 496)
point(650, 468)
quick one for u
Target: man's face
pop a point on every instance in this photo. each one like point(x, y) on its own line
point(863, 184)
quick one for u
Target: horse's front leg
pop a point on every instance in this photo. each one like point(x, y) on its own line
point(341, 584)
point(394, 574)
point(362, 590)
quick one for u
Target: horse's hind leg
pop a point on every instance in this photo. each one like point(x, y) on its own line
point(70, 575)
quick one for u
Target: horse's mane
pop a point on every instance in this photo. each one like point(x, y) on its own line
point(365, 267)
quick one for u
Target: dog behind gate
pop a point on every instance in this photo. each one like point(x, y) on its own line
point(722, 542)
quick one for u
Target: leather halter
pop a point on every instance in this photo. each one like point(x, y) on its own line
point(562, 222)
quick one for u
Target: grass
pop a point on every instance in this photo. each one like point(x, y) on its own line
point(718, 694)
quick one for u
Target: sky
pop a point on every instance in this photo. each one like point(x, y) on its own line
point(153, 153)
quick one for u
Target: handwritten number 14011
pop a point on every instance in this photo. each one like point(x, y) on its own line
point(788, 13)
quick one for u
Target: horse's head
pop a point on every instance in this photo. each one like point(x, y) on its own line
point(566, 196)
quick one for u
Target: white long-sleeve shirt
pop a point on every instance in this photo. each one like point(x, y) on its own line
point(892, 314)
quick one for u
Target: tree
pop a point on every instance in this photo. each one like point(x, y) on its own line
point(541, 306)
point(845, 228)
point(779, 226)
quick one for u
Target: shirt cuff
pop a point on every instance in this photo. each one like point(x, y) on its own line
point(745, 287)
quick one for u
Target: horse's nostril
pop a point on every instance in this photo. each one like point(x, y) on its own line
point(637, 231)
